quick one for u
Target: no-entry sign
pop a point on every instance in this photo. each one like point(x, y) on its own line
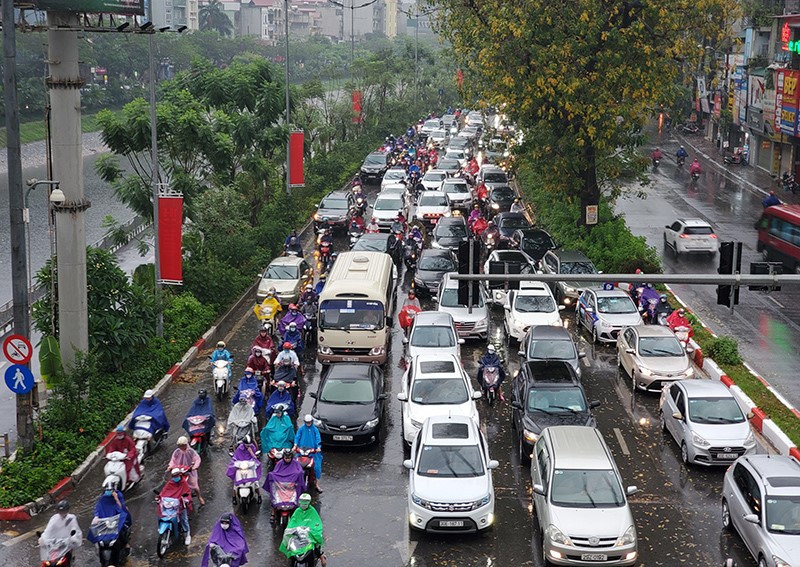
point(17, 349)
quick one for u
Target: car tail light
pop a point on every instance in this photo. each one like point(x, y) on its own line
point(712, 235)
point(683, 236)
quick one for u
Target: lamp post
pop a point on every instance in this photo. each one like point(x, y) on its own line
point(55, 199)
point(288, 112)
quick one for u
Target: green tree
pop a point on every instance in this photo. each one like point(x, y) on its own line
point(213, 17)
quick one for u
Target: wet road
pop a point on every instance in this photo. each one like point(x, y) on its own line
point(767, 325)
point(364, 503)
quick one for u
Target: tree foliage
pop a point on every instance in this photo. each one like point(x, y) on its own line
point(213, 18)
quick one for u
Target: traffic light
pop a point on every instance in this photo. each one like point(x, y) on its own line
point(464, 268)
point(765, 268)
point(730, 262)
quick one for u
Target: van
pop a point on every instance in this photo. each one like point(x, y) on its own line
point(355, 309)
point(580, 503)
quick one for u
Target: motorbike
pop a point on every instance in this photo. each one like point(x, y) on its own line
point(656, 162)
point(681, 160)
point(146, 439)
point(324, 249)
point(648, 311)
point(168, 523)
point(491, 379)
point(266, 316)
point(56, 552)
point(284, 502)
point(489, 243)
point(662, 319)
point(116, 474)
point(263, 378)
point(199, 436)
point(695, 175)
point(306, 459)
point(274, 455)
point(243, 426)
point(310, 326)
point(689, 128)
point(221, 373)
point(410, 255)
point(354, 233)
point(246, 485)
point(361, 204)
point(734, 159)
point(299, 545)
point(682, 334)
point(219, 557)
point(789, 183)
point(111, 539)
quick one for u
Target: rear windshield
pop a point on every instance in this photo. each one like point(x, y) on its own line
point(577, 268)
point(495, 177)
point(433, 337)
point(435, 175)
point(456, 188)
point(388, 204)
point(436, 264)
point(455, 230)
point(699, 230)
point(428, 200)
point(375, 160)
point(514, 222)
point(502, 193)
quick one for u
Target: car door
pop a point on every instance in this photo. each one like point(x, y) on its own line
point(672, 232)
point(586, 309)
point(670, 407)
point(540, 474)
point(508, 310)
point(746, 499)
point(406, 389)
point(518, 395)
point(679, 427)
point(627, 340)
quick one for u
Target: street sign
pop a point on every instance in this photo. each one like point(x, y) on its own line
point(17, 349)
point(19, 379)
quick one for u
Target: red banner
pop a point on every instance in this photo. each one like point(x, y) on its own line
point(460, 78)
point(170, 232)
point(296, 150)
point(357, 106)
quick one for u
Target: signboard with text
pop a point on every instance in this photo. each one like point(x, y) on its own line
point(786, 111)
point(130, 7)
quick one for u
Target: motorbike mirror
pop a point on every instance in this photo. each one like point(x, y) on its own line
point(750, 415)
point(435, 299)
point(562, 307)
point(630, 351)
point(156, 492)
point(476, 395)
point(402, 396)
point(521, 352)
point(492, 464)
point(383, 396)
point(589, 309)
point(677, 415)
point(409, 464)
point(405, 340)
point(507, 307)
point(461, 341)
point(594, 403)
point(581, 354)
point(313, 395)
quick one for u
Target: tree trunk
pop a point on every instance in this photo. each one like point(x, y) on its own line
point(590, 192)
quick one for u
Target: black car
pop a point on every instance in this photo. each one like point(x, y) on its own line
point(374, 166)
point(377, 242)
point(533, 241)
point(546, 342)
point(545, 394)
point(348, 406)
point(449, 233)
point(501, 198)
point(507, 223)
point(432, 265)
point(334, 211)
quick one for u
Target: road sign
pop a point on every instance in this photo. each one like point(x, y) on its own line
point(17, 349)
point(19, 379)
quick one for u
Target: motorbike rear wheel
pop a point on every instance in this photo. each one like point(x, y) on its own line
point(245, 505)
point(164, 541)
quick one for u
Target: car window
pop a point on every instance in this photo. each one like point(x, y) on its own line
point(433, 337)
point(369, 245)
point(676, 226)
point(495, 177)
point(538, 241)
point(394, 174)
point(586, 489)
point(375, 160)
point(698, 230)
point(503, 194)
point(437, 367)
point(544, 464)
point(439, 391)
point(534, 304)
point(282, 273)
point(435, 176)
point(715, 411)
point(748, 487)
point(436, 264)
point(675, 391)
point(659, 346)
point(556, 400)
point(462, 461)
point(514, 222)
point(551, 262)
point(615, 305)
point(304, 267)
point(577, 268)
point(344, 391)
point(680, 403)
point(629, 337)
point(783, 514)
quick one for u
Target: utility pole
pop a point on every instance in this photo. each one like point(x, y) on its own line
point(288, 112)
point(19, 255)
point(155, 176)
point(416, 52)
point(352, 30)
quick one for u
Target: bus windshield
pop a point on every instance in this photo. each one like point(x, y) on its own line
point(351, 315)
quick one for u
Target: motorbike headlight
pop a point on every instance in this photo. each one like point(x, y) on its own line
point(628, 538)
point(698, 441)
point(557, 536)
point(372, 423)
point(495, 206)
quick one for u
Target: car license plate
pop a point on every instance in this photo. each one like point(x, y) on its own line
point(342, 437)
point(451, 523)
point(351, 359)
point(434, 221)
point(727, 456)
point(594, 557)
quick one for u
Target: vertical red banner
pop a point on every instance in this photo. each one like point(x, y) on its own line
point(357, 106)
point(170, 233)
point(296, 150)
point(460, 78)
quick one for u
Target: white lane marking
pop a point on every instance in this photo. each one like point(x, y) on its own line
point(621, 441)
point(19, 539)
point(772, 299)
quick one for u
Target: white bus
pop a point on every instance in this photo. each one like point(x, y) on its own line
point(355, 309)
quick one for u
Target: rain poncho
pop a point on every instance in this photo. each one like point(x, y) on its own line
point(291, 317)
point(221, 354)
point(250, 383)
point(186, 459)
point(153, 408)
point(109, 518)
point(244, 453)
point(200, 408)
point(295, 544)
point(278, 397)
point(281, 478)
point(294, 337)
point(60, 529)
point(648, 293)
point(231, 541)
point(128, 446)
point(178, 491)
point(278, 433)
point(241, 414)
point(308, 437)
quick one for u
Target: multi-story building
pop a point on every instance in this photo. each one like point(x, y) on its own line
point(175, 13)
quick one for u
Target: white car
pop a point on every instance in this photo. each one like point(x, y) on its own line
point(605, 312)
point(433, 331)
point(691, 236)
point(432, 206)
point(450, 487)
point(433, 179)
point(437, 139)
point(474, 118)
point(458, 192)
point(459, 155)
point(502, 262)
point(430, 125)
point(435, 384)
point(386, 208)
point(394, 176)
point(468, 325)
point(532, 304)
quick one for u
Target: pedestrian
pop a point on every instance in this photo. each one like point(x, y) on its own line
point(184, 457)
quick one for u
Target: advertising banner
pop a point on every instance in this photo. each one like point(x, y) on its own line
point(786, 111)
point(769, 112)
point(128, 7)
point(170, 234)
point(717, 104)
point(756, 91)
point(357, 106)
point(296, 150)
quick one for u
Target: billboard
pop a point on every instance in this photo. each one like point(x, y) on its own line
point(129, 7)
point(786, 102)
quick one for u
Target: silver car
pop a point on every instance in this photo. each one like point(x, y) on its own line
point(433, 331)
point(761, 500)
point(706, 421)
point(652, 356)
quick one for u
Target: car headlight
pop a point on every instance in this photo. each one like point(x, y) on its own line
point(645, 371)
point(377, 351)
point(628, 538)
point(372, 423)
point(317, 217)
point(317, 421)
point(420, 502)
point(750, 440)
point(482, 502)
point(530, 436)
point(780, 562)
point(325, 350)
point(482, 324)
point(416, 424)
point(557, 536)
point(688, 373)
point(698, 441)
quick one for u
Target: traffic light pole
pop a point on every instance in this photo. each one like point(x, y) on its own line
point(771, 280)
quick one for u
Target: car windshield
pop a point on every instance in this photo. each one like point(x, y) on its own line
point(438, 134)
point(433, 337)
point(436, 264)
point(431, 124)
point(514, 222)
point(344, 391)
point(495, 177)
point(281, 273)
point(715, 411)
point(459, 143)
point(586, 489)
point(698, 230)
point(428, 200)
point(551, 350)
point(375, 160)
point(556, 400)
point(454, 154)
point(502, 193)
point(455, 230)
point(435, 176)
point(615, 305)
point(660, 346)
point(577, 268)
point(538, 241)
point(783, 514)
point(351, 314)
point(369, 245)
point(383, 204)
point(455, 188)
point(334, 204)
point(450, 299)
point(450, 462)
point(439, 391)
point(534, 304)
point(394, 174)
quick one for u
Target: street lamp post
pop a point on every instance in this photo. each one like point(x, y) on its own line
point(288, 112)
point(55, 198)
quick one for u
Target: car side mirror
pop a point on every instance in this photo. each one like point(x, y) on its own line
point(630, 351)
point(678, 415)
point(313, 395)
point(539, 489)
point(491, 465)
point(631, 490)
point(667, 226)
point(562, 307)
point(405, 340)
point(435, 299)
point(383, 396)
point(581, 354)
point(402, 396)
point(594, 404)
point(476, 395)
point(461, 341)
point(507, 307)
point(316, 206)
point(409, 464)
point(750, 415)
point(752, 518)
point(516, 405)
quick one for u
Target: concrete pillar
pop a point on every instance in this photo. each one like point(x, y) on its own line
point(64, 83)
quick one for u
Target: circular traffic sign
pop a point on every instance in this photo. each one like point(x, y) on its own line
point(18, 349)
point(19, 379)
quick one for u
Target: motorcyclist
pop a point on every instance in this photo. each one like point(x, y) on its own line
point(263, 340)
point(491, 358)
point(357, 224)
point(186, 458)
point(308, 437)
point(308, 295)
point(201, 406)
point(294, 336)
point(491, 236)
point(228, 537)
point(269, 308)
point(286, 365)
point(412, 300)
point(647, 294)
point(294, 247)
point(280, 396)
point(771, 200)
point(260, 363)
point(249, 382)
point(151, 406)
point(474, 214)
point(320, 284)
point(416, 234)
point(293, 316)
point(517, 206)
point(278, 433)
point(288, 239)
point(472, 167)
point(656, 155)
point(695, 168)
point(681, 155)
point(62, 525)
point(662, 308)
point(287, 470)
point(372, 227)
point(110, 504)
point(246, 451)
point(306, 516)
point(177, 487)
point(410, 133)
point(678, 319)
point(401, 218)
point(122, 442)
point(221, 353)
point(482, 192)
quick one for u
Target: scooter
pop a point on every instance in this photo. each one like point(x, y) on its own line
point(56, 552)
point(111, 539)
point(299, 547)
point(681, 160)
point(168, 523)
point(682, 334)
point(221, 373)
point(246, 485)
point(116, 474)
point(284, 502)
point(695, 175)
point(147, 440)
point(734, 159)
point(491, 378)
point(656, 162)
point(306, 459)
point(219, 557)
point(354, 233)
point(199, 437)
point(410, 255)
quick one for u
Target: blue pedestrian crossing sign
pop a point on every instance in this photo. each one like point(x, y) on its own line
point(19, 379)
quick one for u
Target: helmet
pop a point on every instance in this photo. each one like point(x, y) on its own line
point(279, 409)
point(221, 344)
point(264, 328)
point(63, 505)
point(270, 293)
point(202, 394)
point(292, 306)
point(257, 351)
point(225, 518)
point(288, 454)
point(308, 418)
point(490, 223)
point(293, 326)
point(309, 286)
point(411, 293)
point(516, 199)
point(247, 439)
point(121, 429)
point(305, 497)
point(491, 348)
point(323, 276)
point(772, 192)
point(681, 311)
point(281, 383)
point(287, 346)
point(272, 290)
point(176, 471)
point(149, 394)
point(681, 147)
point(183, 440)
point(663, 297)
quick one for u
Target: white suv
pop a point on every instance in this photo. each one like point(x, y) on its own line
point(450, 486)
point(468, 325)
point(532, 304)
point(435, 384)
point(691, 236)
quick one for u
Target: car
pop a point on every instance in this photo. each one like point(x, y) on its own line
point(433, 179)
point(691, 236)
point(449, 233)
point(652, 356)
point(429, 126)
point(451, 166)
point(605, 312)
point(470, 133)
point(470, 323)
point(334, 211)
point(432, 265)
point(387, 207)
point(288, 275)
point(492, 176)
point(449, 119)
point(530, 305)
point(348, 405)
point(761, 501)
point(459, 155)
point(394, 176)
point(533, 241)
point(705, 420)
point(431, 206)
point(473, 117)
point(505, 262)
point(437, 139)
point(435, 384)
point(547, 393)
point(458, 192)
point(551, 343)
point(566, 262)
point(374, 166)
point(501, 198)
point(495, 150)
point(450, 487)
point(432, 332)
point(507, 223)
point(458, 143)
